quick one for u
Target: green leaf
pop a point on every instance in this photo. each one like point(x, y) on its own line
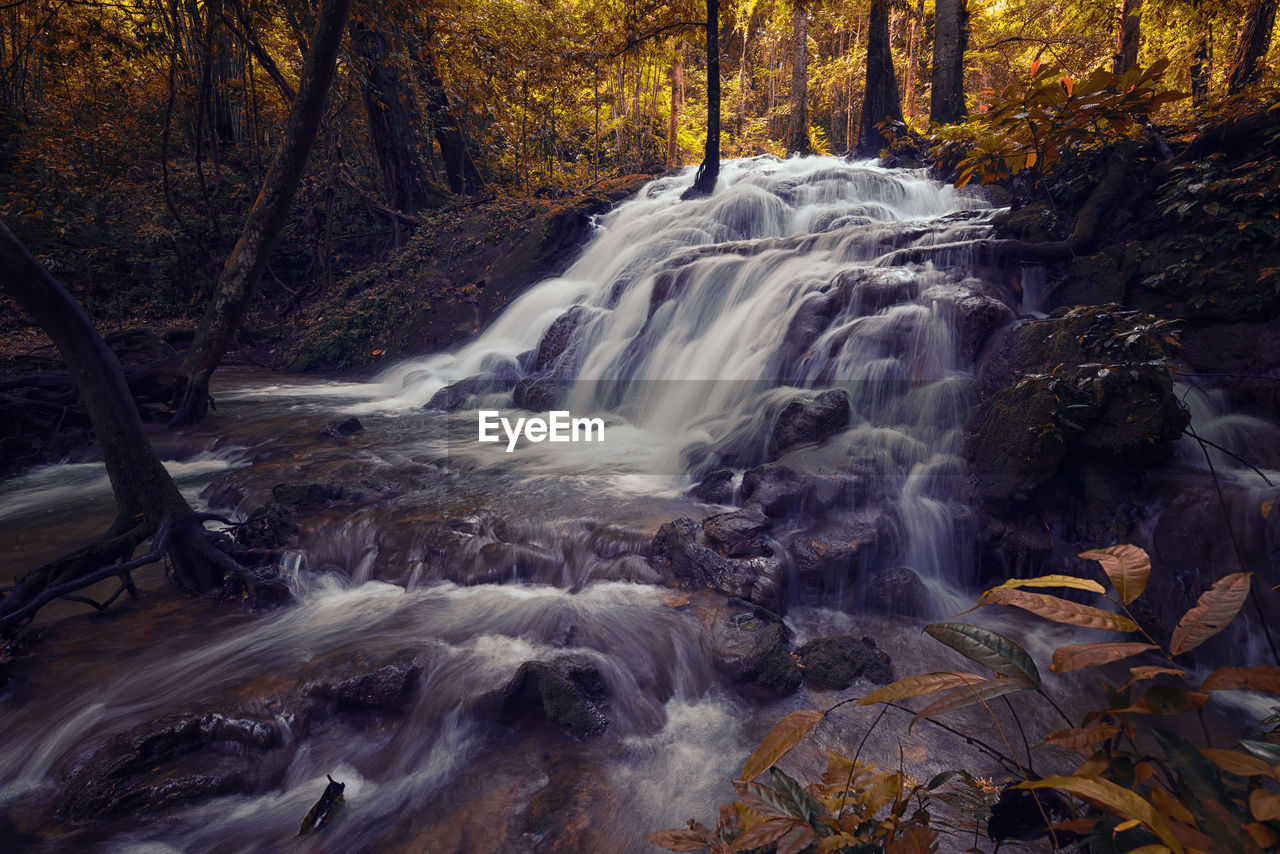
point(990, 649)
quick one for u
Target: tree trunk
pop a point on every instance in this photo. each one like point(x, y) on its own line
point(704, 183)
point(798, 129)
point(1200, 76)
point(459, 168)
point(393, 120)
point(677, 99)
point(248, 260)
point(148, 503)
point(1128, 36)
point(880, 101)
point(1255, 39)
point(950, 40)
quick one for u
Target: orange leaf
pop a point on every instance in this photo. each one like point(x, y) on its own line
point(676, 840)
point(1142, 674)
point(762, 834)
point(1264, 805)
point(1127, 566)
point(924, 683)
point(1216, 608)
point(1081, 655)
point(1261, 678)
point(1062, 611)
point(778, 743)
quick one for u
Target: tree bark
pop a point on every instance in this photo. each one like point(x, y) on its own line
point(798, 128)
point(394, 130)
point(677, 100)
point(704, 183)
point(459, 168)
point(1200, 79)
point(950, 41)
point(1128, 37)
point(240, 275)
point(880, 100)
point(148, 503)
point(1251, 50)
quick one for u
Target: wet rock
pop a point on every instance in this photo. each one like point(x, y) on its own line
point(758, 579)
point(753, 647)
point(308, 494)
point(836, 663)
point(519, 560)
point(715, 488)
point(270, 526)
point(340, 428)
point(542, 688)
point(177, 759)
point(872, 291)
point(738, 534)
point(352, 682)
point(1250, 354)
point(267, 587)
point(458, 395)
point(780, 490)
point(898, 591)
point(538, 395)
point(977, 317)
point(810, 420)
point(556, 339)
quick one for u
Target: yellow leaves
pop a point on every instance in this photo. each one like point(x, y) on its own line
point(1114, 799)
point(1082, 655)
point(1128, 567)
point(1061, 611)
point(781, 739)
point(1264, 805)
point(1215, 609)
point(1240, 764)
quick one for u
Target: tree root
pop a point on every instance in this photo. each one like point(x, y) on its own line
point(194, 564)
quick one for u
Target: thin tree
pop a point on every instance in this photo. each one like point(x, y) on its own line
point(148, 504)
point(1200, 61)
point(1255, 40)
point(704, 183)
point(950, 41)
point(248, 260)
point(1128, 36)
point(798, 127)
point(880, 100)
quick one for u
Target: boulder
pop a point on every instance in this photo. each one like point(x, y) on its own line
point(738, 534)
point(538, 395)
point(715, 488)
point(753, 648)
point(341, 428)
point(898, 591)
point(977, 317)
point(270, 526)
point(355, 683)
point(308, 494)
point(758, 579)
point(556, 339)
point(458, 395)
point(834, 664)
point(547, 690)
point(810, 420)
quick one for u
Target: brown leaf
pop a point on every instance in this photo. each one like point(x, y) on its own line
point(924, 683)
point(676, 840)
point(1240, 764)
point(1082, 655)
point(1062, 611)
point(1127, 566)
point(1260, 678)
point(1115, 799)
point(970, 695)
point(1165, 700)
point(1264, 805)
point(1142, 674)
point(762, 834)
point(796, 839)
point(1081, 739)
point(1216, 608)
point(786, 735)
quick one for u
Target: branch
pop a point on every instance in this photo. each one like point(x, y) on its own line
point(654, 33)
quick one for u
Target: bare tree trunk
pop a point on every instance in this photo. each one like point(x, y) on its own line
point(248, 260)
point(880, 101)
point(950, 40)
point(1128, 36)
point(1251, 50)
point(394, 130)
point(458, 166)
point(1200, 76)
point(677, 100)
point(704, 183)
point(798, 128)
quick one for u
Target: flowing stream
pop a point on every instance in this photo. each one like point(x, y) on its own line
point(692, 329)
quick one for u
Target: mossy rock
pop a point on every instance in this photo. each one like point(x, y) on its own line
point(836, 663)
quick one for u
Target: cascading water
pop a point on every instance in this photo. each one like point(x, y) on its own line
point(766, 336)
